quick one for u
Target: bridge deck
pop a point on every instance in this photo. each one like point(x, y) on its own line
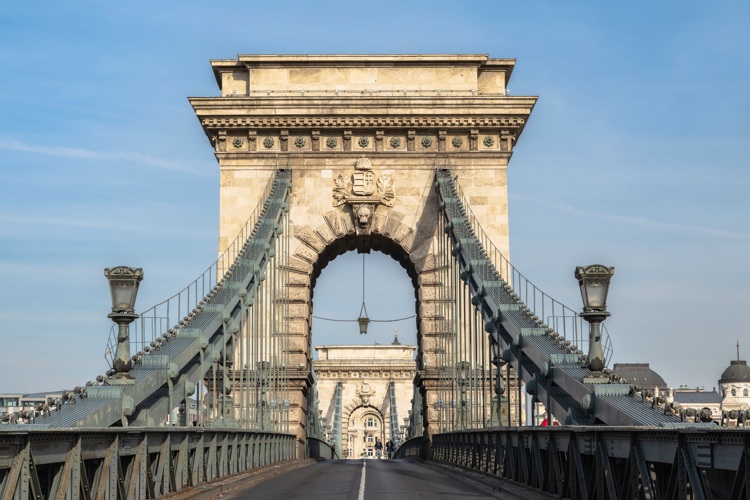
point(370, 479)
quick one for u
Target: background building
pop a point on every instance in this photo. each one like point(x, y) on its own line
point(366, 392)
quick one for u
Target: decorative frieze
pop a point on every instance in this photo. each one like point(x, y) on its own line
point(507, 140)
point(430, 278)
point(298, 279)
point(298, 294)
point(430, 310)
point(310, 238)
point(325, 234)
point(393, 222)
point(379, 140)
point(288, 122)
point(300, 265)
point(333, 219)
point(306, 254)
point(298, 311)
point(222, 142)
point(378, 221)
point(402, 232)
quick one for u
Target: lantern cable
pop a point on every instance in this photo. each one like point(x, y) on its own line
point(363, 310)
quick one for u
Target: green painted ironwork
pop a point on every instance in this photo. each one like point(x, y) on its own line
point(602, 462)
point(337, 418)
point(112, 464)
point(395, 437)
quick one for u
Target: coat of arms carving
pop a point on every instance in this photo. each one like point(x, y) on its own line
point(365, 392)
point(363, 191)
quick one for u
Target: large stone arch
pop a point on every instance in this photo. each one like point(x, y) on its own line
point(317, 115)
point(333, 233)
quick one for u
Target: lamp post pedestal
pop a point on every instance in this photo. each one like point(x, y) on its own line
point(596, 353)
point(227, 418)
point(122, 363)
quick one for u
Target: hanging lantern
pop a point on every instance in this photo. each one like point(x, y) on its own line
point(363, 321)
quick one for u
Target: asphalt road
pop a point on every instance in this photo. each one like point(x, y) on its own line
point(362, 480)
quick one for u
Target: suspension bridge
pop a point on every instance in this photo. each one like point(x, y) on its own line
point(405, 155)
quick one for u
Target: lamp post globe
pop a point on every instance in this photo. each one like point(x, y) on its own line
point(594, 281)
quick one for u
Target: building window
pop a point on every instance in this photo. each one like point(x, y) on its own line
point(371, 422)
point(734, 392)
point(744, 392)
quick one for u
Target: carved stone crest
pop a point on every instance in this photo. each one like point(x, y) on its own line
point(365, 392)
point(363, 191)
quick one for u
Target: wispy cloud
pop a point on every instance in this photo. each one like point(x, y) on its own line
point(30, 220)
point(642, 221)
point(13, 144)
point(102, 223)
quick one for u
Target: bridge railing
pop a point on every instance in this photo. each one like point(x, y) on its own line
point(156, 321)
point(131, 463)
point(557, 316)
point(606, 462)
point(320, 449)
point(411, 448)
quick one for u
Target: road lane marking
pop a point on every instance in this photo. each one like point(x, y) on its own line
point(362, 482)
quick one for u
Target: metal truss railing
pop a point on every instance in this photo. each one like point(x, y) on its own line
point(338, 412)
point(411, 448)
point(509, 311)
point(393, 410)
point(554, 315)
point(111, 464)
point(156, 321)
point(235, 339)
point(320, 449)
point(605, 463)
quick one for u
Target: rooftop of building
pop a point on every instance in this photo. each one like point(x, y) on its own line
point(640, 374)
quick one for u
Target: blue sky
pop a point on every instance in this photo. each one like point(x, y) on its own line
point(635, 156)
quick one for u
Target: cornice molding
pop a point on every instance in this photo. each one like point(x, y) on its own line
point(367, 368)
point(308, 122)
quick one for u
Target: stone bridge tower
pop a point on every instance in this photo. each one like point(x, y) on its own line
point(362, 135)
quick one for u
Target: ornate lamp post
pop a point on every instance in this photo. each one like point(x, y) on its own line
point(123, 287)
point(594, 283)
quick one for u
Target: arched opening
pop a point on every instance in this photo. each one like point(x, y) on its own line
point(364, 383)
point(389, 295)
